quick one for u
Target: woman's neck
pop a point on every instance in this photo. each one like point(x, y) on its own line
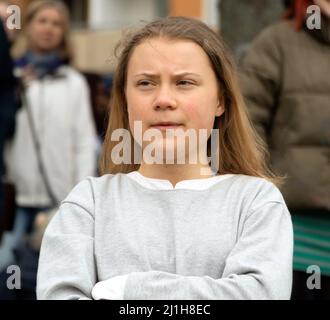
point(40, 52)
point(174, 172)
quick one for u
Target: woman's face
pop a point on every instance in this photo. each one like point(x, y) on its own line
point(324, 6)
point(171, 84)
point(46, 30)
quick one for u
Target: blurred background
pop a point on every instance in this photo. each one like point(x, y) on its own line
point(97, 25)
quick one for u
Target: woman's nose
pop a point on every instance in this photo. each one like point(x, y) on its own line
point(165, 99)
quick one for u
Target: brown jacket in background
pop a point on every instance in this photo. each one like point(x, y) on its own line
point(285, 78)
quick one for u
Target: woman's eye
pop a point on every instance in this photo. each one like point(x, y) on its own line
point(57, 24)
point(42, 21)
point(144, 83)
point(185, 83)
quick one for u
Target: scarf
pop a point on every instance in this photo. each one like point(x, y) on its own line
point(42, 64)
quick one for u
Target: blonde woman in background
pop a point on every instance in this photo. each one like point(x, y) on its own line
point(56, 108)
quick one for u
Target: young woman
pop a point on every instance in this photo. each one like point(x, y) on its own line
point(55, 115)
point(165, 229)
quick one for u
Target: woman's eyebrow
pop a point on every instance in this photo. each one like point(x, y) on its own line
point(184, 74)
point(176, 75)
point(147, 74)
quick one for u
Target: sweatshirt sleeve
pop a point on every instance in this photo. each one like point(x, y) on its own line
point(66, 264)
point(258, 267)
point(260, 78)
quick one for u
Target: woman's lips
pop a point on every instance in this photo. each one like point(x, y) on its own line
point(163, 127)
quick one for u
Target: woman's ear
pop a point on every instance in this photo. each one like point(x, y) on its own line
point(220, 107)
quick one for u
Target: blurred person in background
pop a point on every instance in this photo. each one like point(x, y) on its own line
point(55, 126)
point(8, 105)
point(285, 80)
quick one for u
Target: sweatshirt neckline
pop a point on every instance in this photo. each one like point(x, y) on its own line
point(162, 184)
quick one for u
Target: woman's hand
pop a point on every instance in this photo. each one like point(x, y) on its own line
point(27, 75)
point(324, 6)
point(111, 289)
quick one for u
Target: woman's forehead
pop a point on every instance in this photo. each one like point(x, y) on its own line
point(50, 12)
point(159, 53)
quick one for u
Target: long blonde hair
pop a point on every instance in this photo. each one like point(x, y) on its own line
point(65, 50)
point(241, 151)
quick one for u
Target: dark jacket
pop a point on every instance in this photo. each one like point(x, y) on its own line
point(7, 81)
point(8, 105)
point(285, 78)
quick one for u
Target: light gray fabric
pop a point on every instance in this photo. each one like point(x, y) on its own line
point(232, 240)
point(63, 119)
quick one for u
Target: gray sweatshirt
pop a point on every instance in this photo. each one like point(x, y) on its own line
point(226, 237)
